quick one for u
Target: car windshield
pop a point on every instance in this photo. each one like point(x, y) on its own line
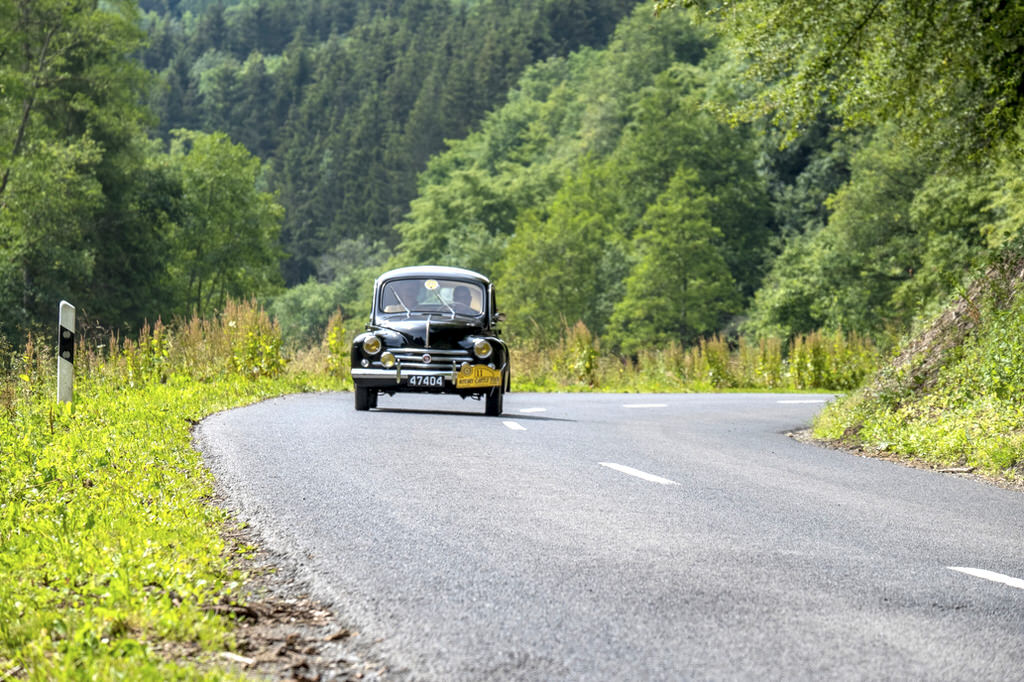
point(432, 295)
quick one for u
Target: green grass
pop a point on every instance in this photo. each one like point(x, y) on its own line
point(110, 547)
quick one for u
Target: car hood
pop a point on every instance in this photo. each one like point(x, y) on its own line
point(444, 332)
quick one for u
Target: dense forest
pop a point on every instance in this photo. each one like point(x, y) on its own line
point(660, 176)
point(348, 100)
point(195, 151)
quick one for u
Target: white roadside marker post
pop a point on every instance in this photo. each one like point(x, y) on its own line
point(66, 353)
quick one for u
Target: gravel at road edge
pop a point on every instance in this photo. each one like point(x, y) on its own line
point(282, 633)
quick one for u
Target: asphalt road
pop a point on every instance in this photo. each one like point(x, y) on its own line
point(640, 537)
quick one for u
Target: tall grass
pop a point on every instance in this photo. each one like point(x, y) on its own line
point(831, 361)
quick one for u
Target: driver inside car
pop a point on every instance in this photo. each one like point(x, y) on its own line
point(462, 300)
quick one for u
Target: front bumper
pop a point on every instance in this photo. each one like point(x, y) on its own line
point(399, 379)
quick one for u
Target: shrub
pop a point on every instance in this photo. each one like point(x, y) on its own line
point(338, 341)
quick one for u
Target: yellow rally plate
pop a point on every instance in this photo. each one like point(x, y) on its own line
point(477, 376)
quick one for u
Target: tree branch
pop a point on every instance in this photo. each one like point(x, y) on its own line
point(27, 111)
point(852, 35)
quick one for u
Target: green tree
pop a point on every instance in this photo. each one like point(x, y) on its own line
point(226, 244)
point(670, 129)
point(69, 114)
point(680, 287)
point(64, 74)
point(1006, 203)
point(44, 249)
point(899, 236)
point(561, 267)
point(842, 276)
point(252, 127)
point(130, 239)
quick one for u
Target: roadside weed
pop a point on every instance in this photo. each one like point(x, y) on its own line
point(819, 361)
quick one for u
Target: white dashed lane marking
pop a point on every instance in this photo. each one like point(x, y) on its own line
point(990, 575)
point(531, 410)
point(639, 474)
point(514, 426)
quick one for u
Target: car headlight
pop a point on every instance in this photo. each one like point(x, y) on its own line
point(371, 345)
point(482, 349)
point(387, 359)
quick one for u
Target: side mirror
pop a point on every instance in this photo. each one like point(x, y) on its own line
point(499, 317)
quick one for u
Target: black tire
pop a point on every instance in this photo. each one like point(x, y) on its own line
point(494, 401)
point(373, 398)
point(363, 398)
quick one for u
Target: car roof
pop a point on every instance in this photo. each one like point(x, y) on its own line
point(434, 271)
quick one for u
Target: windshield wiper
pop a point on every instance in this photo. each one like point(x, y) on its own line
point(445, 304)
point(402, 303)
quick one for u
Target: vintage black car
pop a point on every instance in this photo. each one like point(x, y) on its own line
point(432, 330)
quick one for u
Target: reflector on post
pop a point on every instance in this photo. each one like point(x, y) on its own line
point(66, 353)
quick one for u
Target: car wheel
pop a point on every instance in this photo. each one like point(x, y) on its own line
point(494, 402)
point(363, 398)
point(373, 398)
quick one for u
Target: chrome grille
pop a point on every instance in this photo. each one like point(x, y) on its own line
point(440, 360)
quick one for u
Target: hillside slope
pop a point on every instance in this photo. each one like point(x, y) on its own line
point(953, 395)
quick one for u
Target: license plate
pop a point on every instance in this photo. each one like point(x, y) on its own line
point(427, 381)
point(477, 376)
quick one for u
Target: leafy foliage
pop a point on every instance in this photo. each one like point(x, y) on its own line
point(580, 228)
point(90, 209)
point(900, 235)
point(949, 71)
point(68, 115)
point(680, 287)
